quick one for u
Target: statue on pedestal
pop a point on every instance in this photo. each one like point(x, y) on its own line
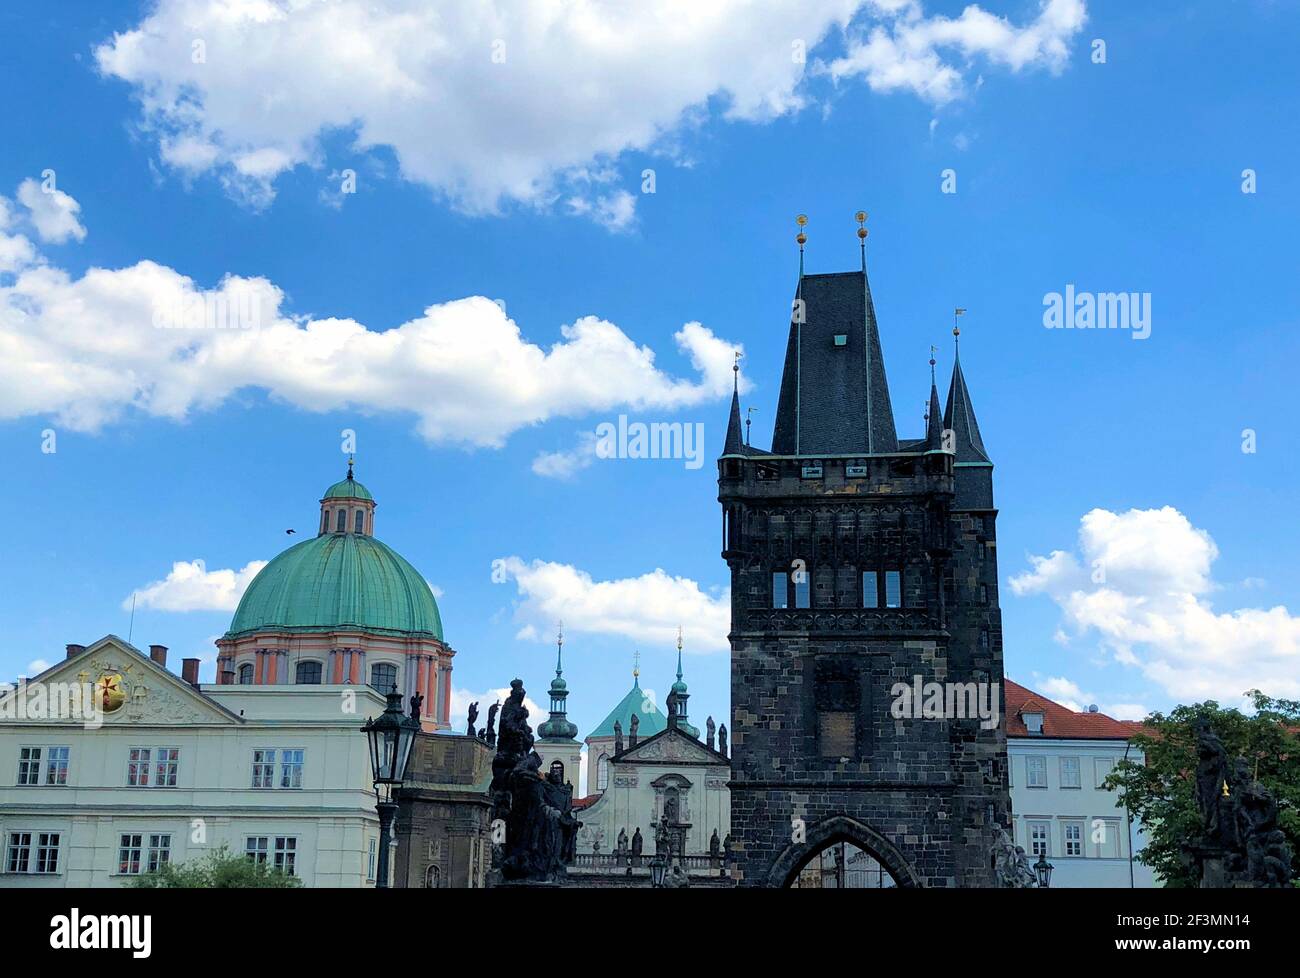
point(473, 718)
point(1011, 866)
point(491, 734)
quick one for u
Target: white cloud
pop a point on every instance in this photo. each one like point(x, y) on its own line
point(36, 667)
point(565, 464)
point(190, 586)
point(648, 608)
point(1141, 581)
point(907, 54)
point(87, 349)
point(53, 213)
point(488, 101)
point(16, 251)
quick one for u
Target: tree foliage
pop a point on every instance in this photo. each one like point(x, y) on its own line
point(1161, 792)
point(220, 869)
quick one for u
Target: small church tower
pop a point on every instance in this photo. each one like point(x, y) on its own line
point(557, 737)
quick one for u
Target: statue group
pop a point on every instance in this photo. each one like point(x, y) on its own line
point(536, 811)
point(1241, 843)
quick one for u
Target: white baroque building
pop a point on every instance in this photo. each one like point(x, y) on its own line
point(281, 773)
point(1058, 759)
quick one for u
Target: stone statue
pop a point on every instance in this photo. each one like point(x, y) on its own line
point(541, 832)
point(663, 838)
point(416, 702)
point(473, 718)
point(633, 723)
point(671, 704)
point(714, 845)
point(491, 736)
point(1011, 866)
point(1211, 780)
point(638, 843)
point(726, 849)
point(676, 879)
point(620, 846)
point(722, 740)
point(708, 733)
point(1267, 859)
point(618, 738)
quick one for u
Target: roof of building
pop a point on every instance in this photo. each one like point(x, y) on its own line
point(834, 397)
point(959, 416)
point(338, 581)
point(652, 721)
point(1059, 721)
point(348, 488)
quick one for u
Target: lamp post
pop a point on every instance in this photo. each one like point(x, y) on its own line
point(391, 737)
point(1043, 870)
point(658, 870)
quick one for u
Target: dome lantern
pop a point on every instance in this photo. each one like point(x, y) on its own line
point(347, 507)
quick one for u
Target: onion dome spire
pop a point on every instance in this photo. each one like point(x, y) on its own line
point(558, 726)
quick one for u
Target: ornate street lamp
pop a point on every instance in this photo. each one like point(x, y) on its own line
point(391, 737)
point(1043, 870)
point(658, 870)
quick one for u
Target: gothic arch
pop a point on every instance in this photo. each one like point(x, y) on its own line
point(841, 828)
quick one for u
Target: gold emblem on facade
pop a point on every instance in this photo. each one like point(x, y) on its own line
point(110, 693)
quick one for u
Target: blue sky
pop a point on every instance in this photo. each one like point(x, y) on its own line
point(1117, 176)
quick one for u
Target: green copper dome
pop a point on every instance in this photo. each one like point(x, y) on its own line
point(339, 581)
point(348, 488)
point(652, 721)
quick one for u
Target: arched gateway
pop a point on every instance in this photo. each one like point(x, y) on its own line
point(866, 859)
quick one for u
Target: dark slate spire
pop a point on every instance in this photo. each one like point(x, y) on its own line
point(834, 397)
point(959, 416)
point(734, 443)
point(934, 420)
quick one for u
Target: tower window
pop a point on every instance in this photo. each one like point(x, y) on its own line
point(308, 674)
point(246, 675)
point(893, 589)
point(802, 589)
point(870, 589)
point(383, 676)
point(602, 772)
point(360, 518)
point(780, 590)
point(341, 524)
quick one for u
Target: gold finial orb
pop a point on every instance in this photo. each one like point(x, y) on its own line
point(801, 220)
point(956, 331)
point(862, 233)
point(860, 217)
point(801, 237)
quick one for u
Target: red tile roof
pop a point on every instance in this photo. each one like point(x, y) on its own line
point(1059, 721)
point(585, 801)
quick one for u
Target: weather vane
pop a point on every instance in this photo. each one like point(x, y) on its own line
point(748, 422)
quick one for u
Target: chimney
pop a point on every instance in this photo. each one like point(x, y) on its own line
point(228, 677)
point(159, 654)
point(75, 649)
point(190, 671)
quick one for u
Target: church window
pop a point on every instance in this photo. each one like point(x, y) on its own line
point(893, 589)
point(308, 674)
point(802, 588)
point(246, 675)
point(360, 518)
point(602, 772)
point(383, 676)
point(341, 523)
point(870, 590)
point(780, 590)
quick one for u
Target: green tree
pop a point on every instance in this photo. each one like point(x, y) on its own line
point(219, 869)
point(1162, 791)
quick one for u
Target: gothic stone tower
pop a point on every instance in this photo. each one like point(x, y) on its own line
point(858, 561)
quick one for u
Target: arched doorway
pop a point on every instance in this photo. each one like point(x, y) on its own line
point(841, 852)
point(842, 866)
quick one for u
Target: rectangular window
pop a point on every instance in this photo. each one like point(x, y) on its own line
point(255, 848)
point(29, 765)
point(1105, 838)
point(47, 852)
point(1039, 844)
point(370, 861)
point(1070, 773)
point(263, 768)
point(802, 588)
point(1072, 832)
point(870, 592)
point(1036, 772)
point(780, 592)
point(169, 759)
point(893, 589)
point(286, 850)
point(1104, 766)
point(56, 765)
point(137, 768)
point(291, 768)
point(130, 854)
point(160, 851)
point(18, 859)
